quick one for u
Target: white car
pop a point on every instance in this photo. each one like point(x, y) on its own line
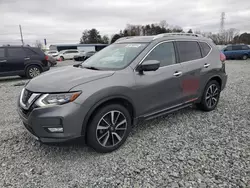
point(67, 54)
point(52, 53)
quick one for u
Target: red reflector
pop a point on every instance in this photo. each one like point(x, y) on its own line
point(46, 57)
point(222, 57)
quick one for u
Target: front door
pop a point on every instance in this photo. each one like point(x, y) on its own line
point(159, 90)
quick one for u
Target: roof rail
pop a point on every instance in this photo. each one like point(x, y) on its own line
point(124, 38)
point(174, 34)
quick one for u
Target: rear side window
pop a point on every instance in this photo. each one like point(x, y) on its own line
point(206, 48)
point(16, 52)
point(188, 50)
point(2, 54)
point(164, 53)
point(29, 52)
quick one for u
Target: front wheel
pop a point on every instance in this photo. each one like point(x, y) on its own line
point(210, 97)
point(244, 57)
point(109, 128)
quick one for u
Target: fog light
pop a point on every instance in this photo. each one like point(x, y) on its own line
point(56, 130)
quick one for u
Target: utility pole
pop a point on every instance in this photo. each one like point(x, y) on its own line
point(21, 33)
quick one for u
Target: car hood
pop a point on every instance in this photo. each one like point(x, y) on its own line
point(63, 79)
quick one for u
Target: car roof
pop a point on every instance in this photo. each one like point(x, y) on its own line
point(161, 37)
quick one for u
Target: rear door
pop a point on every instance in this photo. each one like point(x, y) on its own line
point(3, 60)
point(190, 58)
point(15, 59)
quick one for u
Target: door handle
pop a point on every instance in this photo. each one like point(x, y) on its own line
point(206, 65)
point(177, 73)
point(3, 61)
point(26, 58)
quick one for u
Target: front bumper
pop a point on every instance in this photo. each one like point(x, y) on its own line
point(67, 116)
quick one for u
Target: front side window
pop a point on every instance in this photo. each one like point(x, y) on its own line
point(229, 48)
point(115, 56)
point(164, 53)
point(188, 50)
point(16, 52)
point(245, 47)
point(237, 47)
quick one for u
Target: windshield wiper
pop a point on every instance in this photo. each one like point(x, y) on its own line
point(90, 67)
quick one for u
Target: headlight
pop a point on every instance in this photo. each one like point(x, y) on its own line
point(56, 99)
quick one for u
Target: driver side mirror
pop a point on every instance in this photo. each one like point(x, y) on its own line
point(149, 65)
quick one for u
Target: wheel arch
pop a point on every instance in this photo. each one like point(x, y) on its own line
point(32, 64)
point(117, 99)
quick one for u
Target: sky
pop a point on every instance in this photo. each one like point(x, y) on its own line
point(63, 21)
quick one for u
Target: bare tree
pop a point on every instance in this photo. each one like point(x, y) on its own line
point(38, 44)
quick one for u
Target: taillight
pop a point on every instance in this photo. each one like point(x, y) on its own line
point(222, 57)
point(47, 57)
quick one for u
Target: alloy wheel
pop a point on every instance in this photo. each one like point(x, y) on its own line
point(34, 71)
point(111, 128)
point(212, 95)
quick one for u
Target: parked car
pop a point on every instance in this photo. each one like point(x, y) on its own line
point(100, 99)
point(52, 61)
point(83, 56)
point(24, 61)
point(52, 53)
point(239, 51)
point(66, 54)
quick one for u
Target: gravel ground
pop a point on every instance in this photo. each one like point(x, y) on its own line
point(188, 148)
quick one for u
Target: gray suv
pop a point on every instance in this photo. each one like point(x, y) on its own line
point(136, 78)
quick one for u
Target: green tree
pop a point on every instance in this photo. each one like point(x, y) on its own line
point(91, 37)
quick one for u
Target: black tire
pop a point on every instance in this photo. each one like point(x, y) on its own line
point(210, 96)
point(111, 136)
point(33, 71)
point(49, 64)
point(62, 58)
point(244, 57)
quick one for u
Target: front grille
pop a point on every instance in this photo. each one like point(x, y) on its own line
point(26, 95)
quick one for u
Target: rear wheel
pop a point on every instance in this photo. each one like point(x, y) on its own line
point(33, 71)
point(244, 57)
point(210, 97)
point(109, 128)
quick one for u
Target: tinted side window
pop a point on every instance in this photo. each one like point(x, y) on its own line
point(16, 52)
point(164, 53)
point(229, 48)
point(2, 54)
point(29, 52)
point(189, 50)
point(237, 48)
point(245, 48)
point(206, 48)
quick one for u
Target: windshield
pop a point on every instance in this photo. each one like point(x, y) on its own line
point(115, 56)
